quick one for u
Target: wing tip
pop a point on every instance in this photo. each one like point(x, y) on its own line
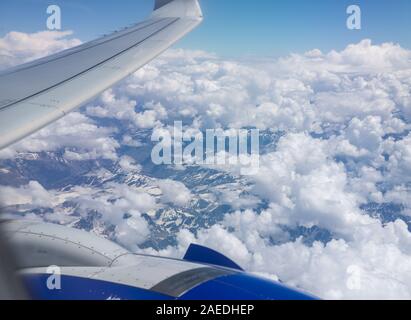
point(178, 8)
point(161, 3)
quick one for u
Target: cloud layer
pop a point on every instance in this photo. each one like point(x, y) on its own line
point(19, 47)
point(338, 131)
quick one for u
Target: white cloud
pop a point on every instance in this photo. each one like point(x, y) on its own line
point(32, 194)
point(81, 138)
point(373, 58)
point(129, 164)
point(119, 205)
point(365, 134)
point(18, 47)
point(399, 163)
point(174, 192)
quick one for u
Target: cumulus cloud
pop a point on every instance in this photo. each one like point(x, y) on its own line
point(399, 163)
point(19, 47)
point(117, 205)
point(308, 187)
point(32, 195)
point(125, 109)
point(299, 92)
point(77, 134)
point(128, 164)
point(174, 192)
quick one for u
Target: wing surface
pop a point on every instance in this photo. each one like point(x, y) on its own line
point(38, 93)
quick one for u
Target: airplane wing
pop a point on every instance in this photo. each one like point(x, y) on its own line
point(36, 94)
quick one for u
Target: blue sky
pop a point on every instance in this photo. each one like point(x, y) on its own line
point(231, 27)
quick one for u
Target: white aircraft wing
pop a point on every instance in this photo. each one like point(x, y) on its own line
point(36, 94)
